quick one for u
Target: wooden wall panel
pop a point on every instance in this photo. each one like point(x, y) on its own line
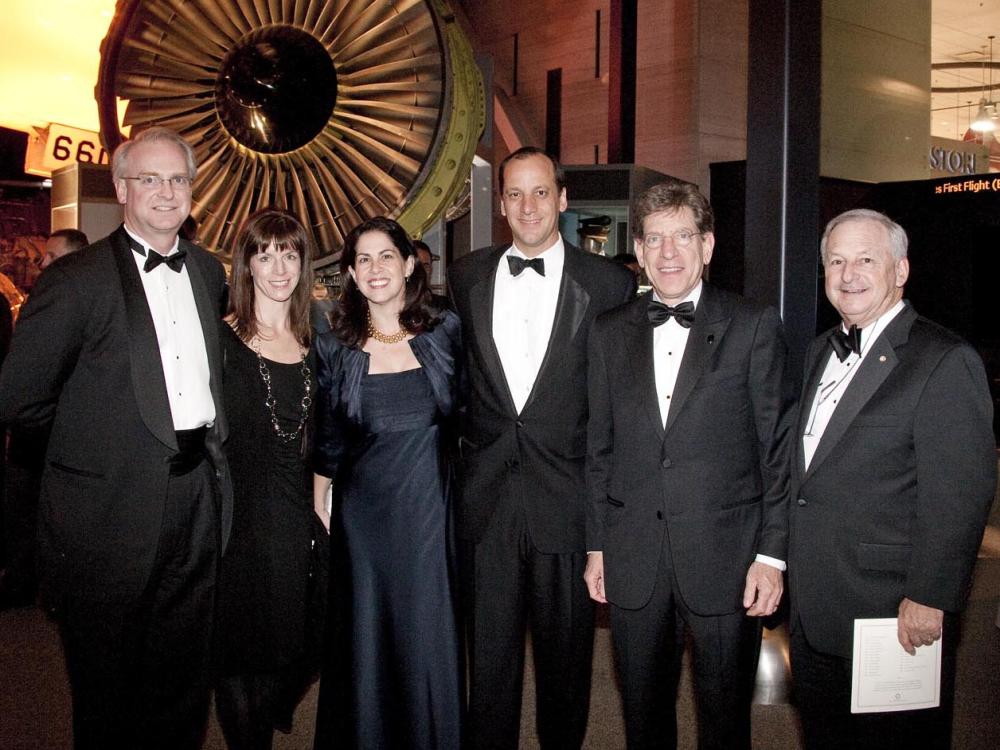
point(690, 76)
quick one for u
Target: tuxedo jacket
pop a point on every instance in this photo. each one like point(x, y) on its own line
point(85, 360)
point(534, 457)
point(895, 499)
point(715, 479)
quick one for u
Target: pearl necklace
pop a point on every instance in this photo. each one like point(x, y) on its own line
point(385, 338)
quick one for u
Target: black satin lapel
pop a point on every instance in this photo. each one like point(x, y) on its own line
point(639, 361)
point(144, 353)
point(209, 314)
point(709, 326)
point(481, 303)
point(571, 307)
point(874, 370)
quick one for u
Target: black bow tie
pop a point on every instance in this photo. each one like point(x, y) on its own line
point(845, 343)
point(174, 261)
point(518, 264)
point(659, 313)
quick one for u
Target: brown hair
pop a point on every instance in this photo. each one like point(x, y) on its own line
point(672, 195)
point(527, 151)
point(263, 228)
point(350, 319)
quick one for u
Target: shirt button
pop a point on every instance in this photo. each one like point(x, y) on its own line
point(802, 501)
point(665, 463)
point(659, 515)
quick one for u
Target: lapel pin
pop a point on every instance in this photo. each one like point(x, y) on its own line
point(711, 338)
point(882, 358)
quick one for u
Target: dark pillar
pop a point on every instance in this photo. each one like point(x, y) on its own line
point(622, 31)
point(553, 113)
point(783, 143)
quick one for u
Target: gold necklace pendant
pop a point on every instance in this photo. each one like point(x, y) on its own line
point(385, 338)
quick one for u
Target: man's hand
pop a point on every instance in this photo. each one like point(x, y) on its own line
point(763, 590)
point(594, 576)
point(918, 625)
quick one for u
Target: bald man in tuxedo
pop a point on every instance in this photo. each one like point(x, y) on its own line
point(893, 474)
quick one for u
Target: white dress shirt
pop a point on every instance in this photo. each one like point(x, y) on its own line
point(524, 308)
point(669, 340)
point(836, 377)
point(180, 339)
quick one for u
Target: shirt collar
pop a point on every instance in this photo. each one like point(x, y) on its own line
point(554, 256)
point(145, 245)
point(694, 296)
point(872, 332)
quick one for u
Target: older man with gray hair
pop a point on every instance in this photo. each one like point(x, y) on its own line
point(117, 351)
point(893, 474)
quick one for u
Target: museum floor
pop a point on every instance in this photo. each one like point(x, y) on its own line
point(34, 696)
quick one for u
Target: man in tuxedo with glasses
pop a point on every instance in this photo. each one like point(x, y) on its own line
point(117, 351)
point(687, 476)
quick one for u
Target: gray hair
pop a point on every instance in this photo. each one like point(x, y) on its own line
point(897, 235)
point(119, 161)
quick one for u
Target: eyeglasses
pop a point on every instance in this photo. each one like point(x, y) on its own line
point(150, 181)
point(681, 238)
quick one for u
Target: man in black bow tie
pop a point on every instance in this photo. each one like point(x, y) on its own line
point(117, 351)
point(526, 310)
point(687, 478)
point(893, 473)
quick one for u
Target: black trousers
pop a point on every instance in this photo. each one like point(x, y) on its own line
point(21, 483)
point(140, 672)
point(508, 587)
point(649, 647)
point(822, 685)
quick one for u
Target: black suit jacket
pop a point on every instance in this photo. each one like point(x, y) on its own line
point(86, 360)
point(895, 499)
point(716, 479)
point(536, 456)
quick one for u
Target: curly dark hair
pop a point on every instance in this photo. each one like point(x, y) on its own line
point(350, 319)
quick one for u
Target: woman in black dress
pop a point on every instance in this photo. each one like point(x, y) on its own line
point(387, 386)
point(267, 637)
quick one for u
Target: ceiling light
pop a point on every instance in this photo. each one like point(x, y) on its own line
point(985, 121)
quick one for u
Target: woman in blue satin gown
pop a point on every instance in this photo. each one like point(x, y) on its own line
point(387, 384)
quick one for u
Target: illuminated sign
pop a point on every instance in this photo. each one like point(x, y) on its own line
point(59, 146)
point(989, 184)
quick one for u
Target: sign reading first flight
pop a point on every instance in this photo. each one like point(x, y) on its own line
point(60, 145)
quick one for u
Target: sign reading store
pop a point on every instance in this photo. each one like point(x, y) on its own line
point(947, 157)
